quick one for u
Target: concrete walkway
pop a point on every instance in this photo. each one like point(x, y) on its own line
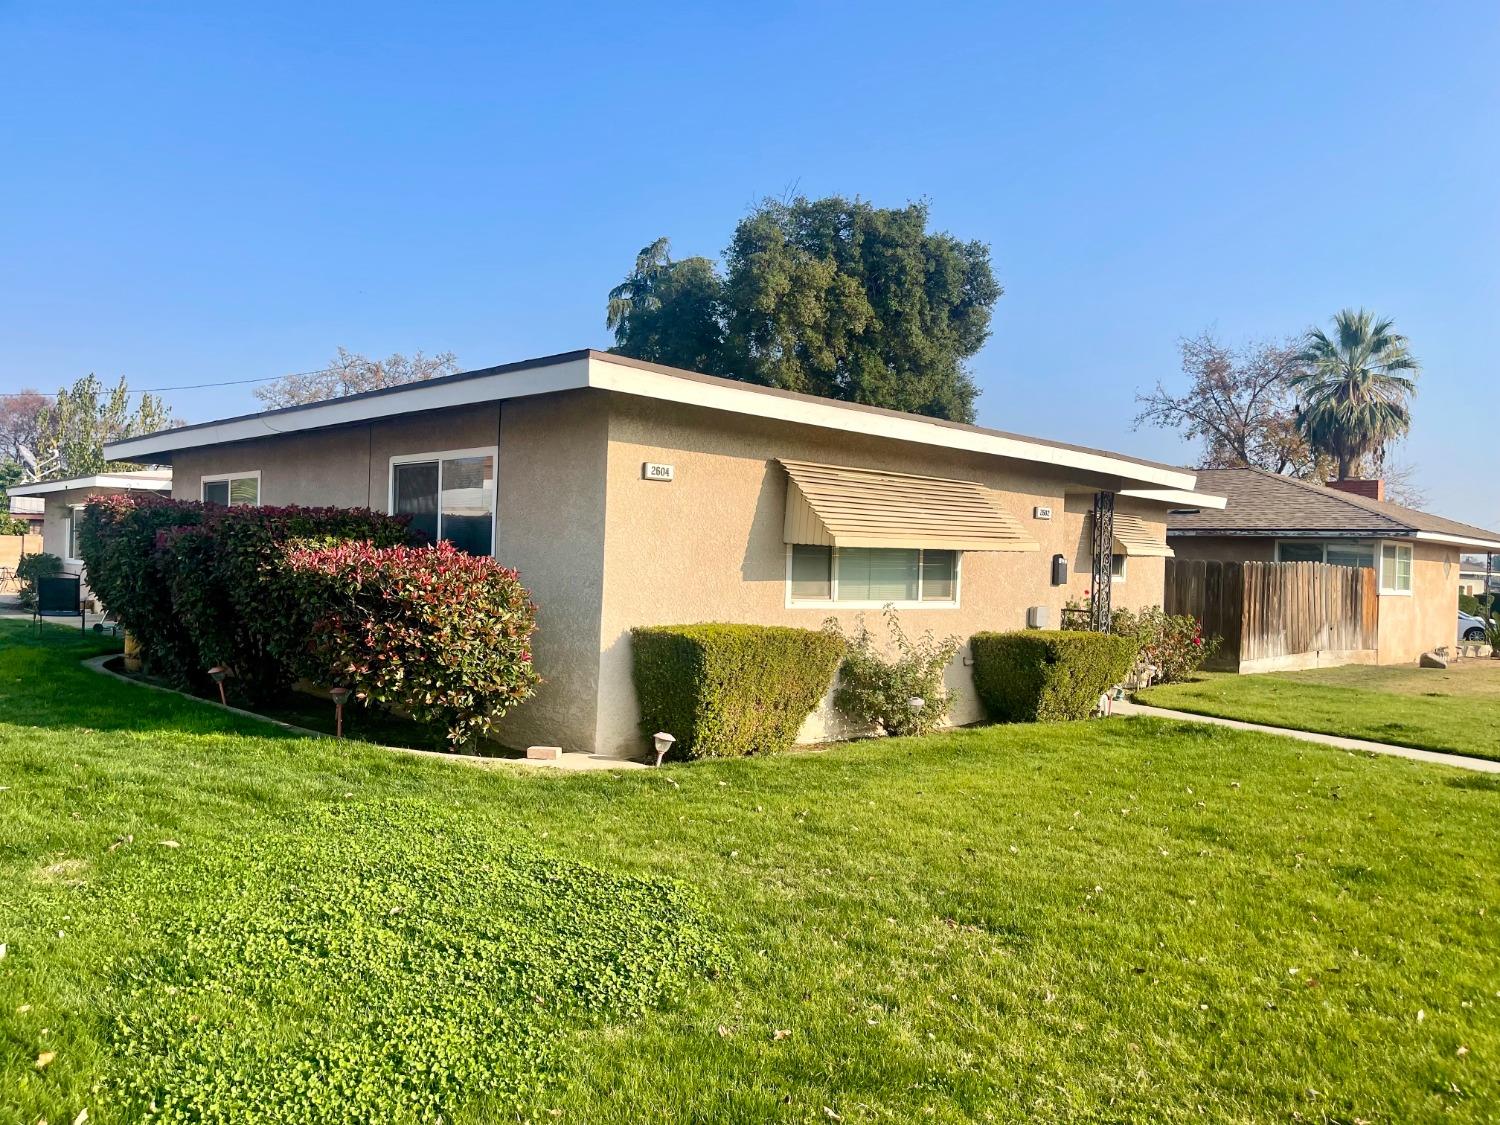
point(1480, 765)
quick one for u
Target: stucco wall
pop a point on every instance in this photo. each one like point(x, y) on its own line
point(551, 529)
point(348, 467)
point(1229, 548)
point(549, 519)
point(708, 545)
point(1427, 618)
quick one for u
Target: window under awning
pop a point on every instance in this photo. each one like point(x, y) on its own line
point(1134, 537)
point(838, 506)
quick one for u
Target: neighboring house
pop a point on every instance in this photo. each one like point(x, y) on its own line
point(629, 494)
point(1272, 518)
point(62, 499)
point(1473, 580)
point(30, 510)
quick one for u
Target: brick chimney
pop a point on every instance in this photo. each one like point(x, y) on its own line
point(1369, 489)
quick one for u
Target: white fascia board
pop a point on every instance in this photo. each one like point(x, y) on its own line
point(1177, 498)
point(1435, 537)
point(144, 483)
point(632, 380)
point(362, 408)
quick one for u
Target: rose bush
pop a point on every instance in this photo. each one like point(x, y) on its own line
point(1174, 645)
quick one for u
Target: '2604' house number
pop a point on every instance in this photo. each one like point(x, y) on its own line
point(652, 470)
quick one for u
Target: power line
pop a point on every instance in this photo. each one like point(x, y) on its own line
point(188, 386)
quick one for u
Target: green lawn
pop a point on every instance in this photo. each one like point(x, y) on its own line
point(1456, 710)
point(1117, 921)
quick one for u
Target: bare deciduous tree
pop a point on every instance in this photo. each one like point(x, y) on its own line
point(1239, 404)
point(20, 421)
point(351, 373)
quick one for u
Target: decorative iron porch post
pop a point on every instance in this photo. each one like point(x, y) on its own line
point(1104, 558)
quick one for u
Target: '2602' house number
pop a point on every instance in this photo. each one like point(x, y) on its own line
point(652, 470)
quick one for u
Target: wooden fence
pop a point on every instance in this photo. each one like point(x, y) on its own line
point(1278, 615)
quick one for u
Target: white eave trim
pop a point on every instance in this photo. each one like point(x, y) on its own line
point(1435, 537)
point(139, 482)
point(415, 399)
point(631, 380)
point(596, 371)
point(1177, 498)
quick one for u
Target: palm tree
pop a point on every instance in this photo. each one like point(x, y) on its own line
point(1355, 395)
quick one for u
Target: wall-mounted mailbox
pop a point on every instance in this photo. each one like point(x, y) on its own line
point(1059, 570)
point(1037, 617)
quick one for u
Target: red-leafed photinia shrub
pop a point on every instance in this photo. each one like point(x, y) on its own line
point(441, 635)
point(118, 542)
point(202, 585)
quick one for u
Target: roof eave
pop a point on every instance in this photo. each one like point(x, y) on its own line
point(601, 371)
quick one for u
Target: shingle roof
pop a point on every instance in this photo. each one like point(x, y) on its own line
point(1267, 503)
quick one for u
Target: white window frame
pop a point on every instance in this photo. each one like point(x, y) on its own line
point(1124, 566)
point(69, 526)
point(441, 455)
point(1411, 569)
point(229, 479)
point(832, 602)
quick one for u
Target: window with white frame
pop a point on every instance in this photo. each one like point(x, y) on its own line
point(871, 576)
point(1395, 568)
point(233, 490)
point(1117, 567)
point(71, 527)
point(1334, 552)
point(448, 495)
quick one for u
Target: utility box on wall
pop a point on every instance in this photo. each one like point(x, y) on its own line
point(1037, 617)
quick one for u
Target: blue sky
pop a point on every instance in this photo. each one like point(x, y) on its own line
point(192, 195)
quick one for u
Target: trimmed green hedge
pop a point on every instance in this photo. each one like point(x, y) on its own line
point(725, 691)
point(1048, 676)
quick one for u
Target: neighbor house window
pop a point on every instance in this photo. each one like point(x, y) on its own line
point(1395, 568)
point(232, 490)
point(1117, 567)
point(448, 495)
point(872, 576)
point(1334, 552)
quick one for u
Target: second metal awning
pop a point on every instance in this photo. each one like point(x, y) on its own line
point(839, 506)
point(1134, 537)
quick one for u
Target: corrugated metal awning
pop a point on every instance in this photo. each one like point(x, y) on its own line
point(1133, 537)
point(838, 506)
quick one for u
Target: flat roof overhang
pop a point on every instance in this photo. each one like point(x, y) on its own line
point(602, 371)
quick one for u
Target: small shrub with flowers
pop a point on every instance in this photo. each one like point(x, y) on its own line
point(436, 633)
point(898, 694)
point(1172, 645)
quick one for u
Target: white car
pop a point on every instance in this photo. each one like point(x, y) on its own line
point(1470, 628)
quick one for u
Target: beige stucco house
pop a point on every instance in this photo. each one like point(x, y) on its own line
point(62, 499)
point(1272, 518)
point(630, 494)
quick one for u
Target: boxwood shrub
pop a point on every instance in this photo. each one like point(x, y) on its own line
point(726, 691)
point(1047, 675)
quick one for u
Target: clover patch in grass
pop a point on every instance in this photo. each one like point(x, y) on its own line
point(379, 963)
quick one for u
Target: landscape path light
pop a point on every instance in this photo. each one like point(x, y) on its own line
point(217, 674)
point(663, 742)
point(340, 696)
